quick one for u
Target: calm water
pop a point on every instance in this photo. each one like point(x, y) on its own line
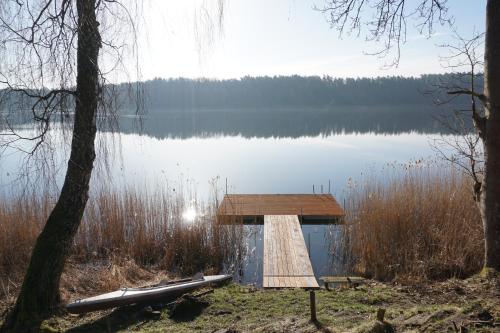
point(251, 164)
point(264, 165)
point(325, 258)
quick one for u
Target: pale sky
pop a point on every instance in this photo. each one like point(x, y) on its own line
point(279, 37)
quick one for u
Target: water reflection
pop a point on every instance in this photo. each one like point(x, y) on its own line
point(189, 215)
point(250, 165)
point(257, 152)
point(250, 270)
point(271, 122)
point(320, 239)
point(285, 122)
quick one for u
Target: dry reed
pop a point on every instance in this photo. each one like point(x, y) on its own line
point(145, 227)
point(419, 222)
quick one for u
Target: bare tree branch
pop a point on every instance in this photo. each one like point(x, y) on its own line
point(38, 43)
point(387, 22)
point(464, 148)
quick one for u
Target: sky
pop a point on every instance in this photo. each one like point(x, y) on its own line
point(279, 37)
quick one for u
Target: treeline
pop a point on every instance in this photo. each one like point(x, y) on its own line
point(273, 106)
point(297, 91)
point(277, 91)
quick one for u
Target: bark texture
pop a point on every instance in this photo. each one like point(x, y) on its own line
point(39, 296)
point(490, 192)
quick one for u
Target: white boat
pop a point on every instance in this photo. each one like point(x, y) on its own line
point(126, 296)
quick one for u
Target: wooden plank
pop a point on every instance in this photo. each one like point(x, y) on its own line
point(342, 279)
point(352, 281)
point(286, 261)
point(287, 255)
point(297, 271)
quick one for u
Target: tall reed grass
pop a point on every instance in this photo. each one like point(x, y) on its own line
point(417, 221)
point(146, 227)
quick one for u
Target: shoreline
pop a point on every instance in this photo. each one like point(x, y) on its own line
point(473, 303)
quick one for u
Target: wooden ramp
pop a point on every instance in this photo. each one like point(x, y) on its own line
point(286, 260)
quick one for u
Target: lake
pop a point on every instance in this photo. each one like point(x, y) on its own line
point(197, 161)
point(250, 164)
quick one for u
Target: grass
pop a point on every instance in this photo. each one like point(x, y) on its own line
point(417, 222)
point(430, 307)
point(252, 309)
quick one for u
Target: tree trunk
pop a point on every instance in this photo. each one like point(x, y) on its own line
point(490, 196)
point(39, 296)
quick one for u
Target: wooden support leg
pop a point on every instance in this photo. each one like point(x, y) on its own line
point(312, 299)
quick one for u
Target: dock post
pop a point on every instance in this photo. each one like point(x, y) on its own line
point(312, 300)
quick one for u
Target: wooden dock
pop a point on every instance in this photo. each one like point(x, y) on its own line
point(286, 260)
point(312, 208)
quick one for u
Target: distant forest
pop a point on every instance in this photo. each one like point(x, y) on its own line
point(279, 92)
point(295, 91)
point(284, 106)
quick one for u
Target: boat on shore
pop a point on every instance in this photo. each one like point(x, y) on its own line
point(125, 296)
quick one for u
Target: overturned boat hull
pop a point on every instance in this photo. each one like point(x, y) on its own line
point(126, 296)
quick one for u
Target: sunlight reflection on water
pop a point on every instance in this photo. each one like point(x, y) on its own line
point(189, 215)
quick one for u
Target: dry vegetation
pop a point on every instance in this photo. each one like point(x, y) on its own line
point(124, 235)
point(418, 222)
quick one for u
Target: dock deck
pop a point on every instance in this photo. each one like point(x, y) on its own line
point(253, 207)
point(286, 260)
